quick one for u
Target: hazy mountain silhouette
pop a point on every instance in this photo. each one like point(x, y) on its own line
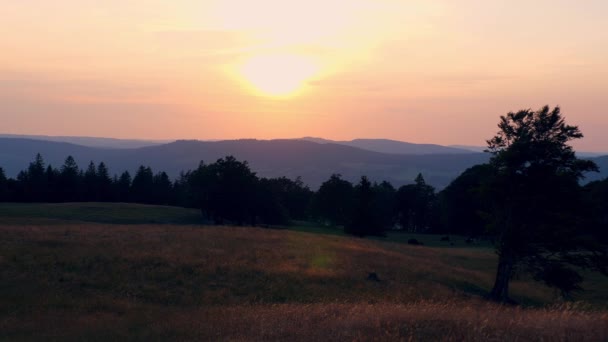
point(312, 161)
point(470, 148)
point(602, 163)
point(91, 141)
point(393, 146)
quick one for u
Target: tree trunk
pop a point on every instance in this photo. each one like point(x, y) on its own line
point(500, 292)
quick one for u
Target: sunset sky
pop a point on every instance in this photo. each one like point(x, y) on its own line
point(427, 71)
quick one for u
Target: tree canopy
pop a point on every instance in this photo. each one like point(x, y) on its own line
point(536, 201)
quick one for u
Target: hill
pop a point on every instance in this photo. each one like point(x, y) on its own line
point(394, 146)
point(269, 158)
point(71, 280)
point(90, 141)
point(314, 162)
point(602, 163)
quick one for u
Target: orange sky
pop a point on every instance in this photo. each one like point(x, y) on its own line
point(421, 71)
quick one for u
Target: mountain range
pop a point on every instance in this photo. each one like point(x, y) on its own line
point(91, 141)
point(394, 146)
point(313, 159)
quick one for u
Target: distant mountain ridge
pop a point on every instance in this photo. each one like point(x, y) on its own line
point(394, 146)
point(91, 141)
point(313, 161)
point(375, 145)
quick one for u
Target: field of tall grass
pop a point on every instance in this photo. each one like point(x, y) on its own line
point(66, 279)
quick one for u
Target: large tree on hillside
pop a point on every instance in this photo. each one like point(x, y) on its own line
point(536, 201)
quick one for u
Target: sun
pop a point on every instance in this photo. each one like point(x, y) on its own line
point(278, 75)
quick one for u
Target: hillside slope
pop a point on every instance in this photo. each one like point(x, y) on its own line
point(71, 281)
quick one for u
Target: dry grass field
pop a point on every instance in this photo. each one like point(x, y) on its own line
point(65, 279)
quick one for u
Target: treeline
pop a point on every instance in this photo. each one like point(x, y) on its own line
point(227, 191)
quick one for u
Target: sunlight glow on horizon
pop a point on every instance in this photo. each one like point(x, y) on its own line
point(278, 75)
point(419, 70)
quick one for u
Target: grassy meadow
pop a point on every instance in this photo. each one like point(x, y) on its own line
point(132, 272)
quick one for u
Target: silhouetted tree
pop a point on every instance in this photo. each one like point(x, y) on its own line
point(415, 203)
point(462, 203)
point(52, 184)
point(105, 190)
point(535, 196)
point(292, 195)
point(32, 183)
point(124, 187)
point(269, 200)
point(226, 191)
point(364, 218)
point(596, 204)
point(162, 188)
point(183, 192)
point(91, 185)
point(334, 200)
point(142, 185)
point(69, 181)
point(385, 205)
point(4, 194)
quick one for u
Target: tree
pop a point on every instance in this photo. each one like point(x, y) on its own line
point(270, 201)
point(226, 191)
point(124, 187)
point(69, 180)
point(162, 188)
point(536, 200)
point(52, 189)
point(33, 181)
point(291, 195)
point(184, 189)
point(91, 187)
point(462, 203)
point(3, 186)
point(596, 202)
point(415, 205)
point(385, 205)
point(333, 201)
point(104, 183)
point(363, 220)
point(142, 185)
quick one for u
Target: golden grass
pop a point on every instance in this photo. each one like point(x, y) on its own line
point(99, 282)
